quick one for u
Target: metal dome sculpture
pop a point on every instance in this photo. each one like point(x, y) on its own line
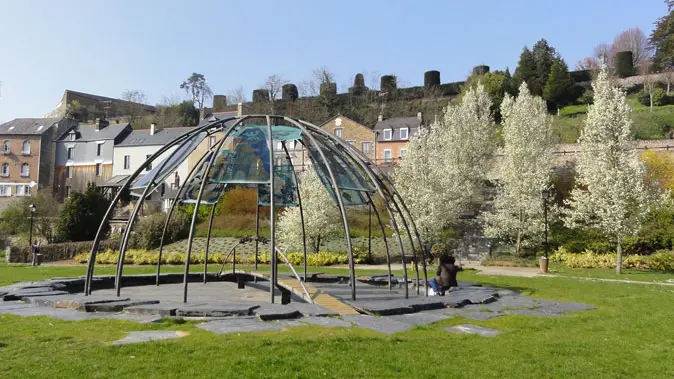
point(244, 155)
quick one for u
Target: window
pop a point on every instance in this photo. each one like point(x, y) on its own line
point(211, 141)
point(403, 152)
point(25, 170)
point(25, 149)
point(70, 152)
point(67, 191)
point(5, 147)
point(279, 161)
point(99, 147)
point(99, 169)
point(279, 146)
point(387, 134)
point(5, 169)
point(149, 167)
point(338, 132)
point(387, 155)
point(404, 133)
point(69, 171)
point(365, 147)
point(5, 190)
point(73, 136)
point(23, 190)
point(127, 162)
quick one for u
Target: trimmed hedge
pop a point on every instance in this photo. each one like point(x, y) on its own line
point(662, 260)
point(144, 257)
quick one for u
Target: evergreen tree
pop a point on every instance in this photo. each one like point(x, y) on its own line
point(81, 215)
point(662, 39)
point(544, 55)
point(509, 84)
point(526, 68)
point(558, 86)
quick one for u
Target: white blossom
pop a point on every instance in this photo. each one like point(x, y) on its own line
point(610, 193)
point(446, 164)
point(524, 171)
point(321, 215)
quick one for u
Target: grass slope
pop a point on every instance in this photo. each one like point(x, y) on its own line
point(627, 337)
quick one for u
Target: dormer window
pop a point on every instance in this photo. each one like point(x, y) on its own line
point(388, 134)
point(404, 133)
point(25, 148)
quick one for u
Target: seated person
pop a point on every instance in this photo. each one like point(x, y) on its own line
point(446, 275)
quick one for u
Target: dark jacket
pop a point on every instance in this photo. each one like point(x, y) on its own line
point(447, 275)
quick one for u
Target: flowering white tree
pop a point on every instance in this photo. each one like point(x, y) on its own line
point(447, 163)
point(610, 193)
point(321, 215)
point(524, 171)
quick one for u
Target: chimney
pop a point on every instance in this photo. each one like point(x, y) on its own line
point(101, 123)
point(152, 127)
point(380, 118)
point(419, 116)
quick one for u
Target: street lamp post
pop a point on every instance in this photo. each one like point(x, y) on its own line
point(30, 234)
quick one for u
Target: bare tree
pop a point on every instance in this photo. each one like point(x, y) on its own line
point(668, 76)
point(196, 86)
point(312, 87)
point(604, 52)
point(237, 95)
point(650, 80)
point(274, 84)
point(135, 107)
point(588, 63)
point(633, 40)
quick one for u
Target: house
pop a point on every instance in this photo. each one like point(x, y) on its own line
point(84, 154)
point(358, 135)
point(27, 160)
point(393, 135)
point(136, 148)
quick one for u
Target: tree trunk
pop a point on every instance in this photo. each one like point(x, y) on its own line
point(518, 243)
point(619, 258)
point(650, 96)
point(668, 83)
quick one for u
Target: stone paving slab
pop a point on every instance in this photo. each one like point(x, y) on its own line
point(289, 323)
point(143, 319)
point(328, 322)
point(554, 306)
point(532, 312)
point(239, 325)
point(150, 335)
point(267, 312)
point(378, 324)
point(308, 310)
point(473, 329)
point(217, 310)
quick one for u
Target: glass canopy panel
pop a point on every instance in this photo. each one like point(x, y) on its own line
point(285, 188)
point(247, 161)
point(172, 162)
point(212, 191)
point(347, 174)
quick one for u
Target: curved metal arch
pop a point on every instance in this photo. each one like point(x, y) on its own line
point(272, 213)
point(338, 195)
point(377, 179)
point(299, 203)
point(125, 186)
point(204, 181)
point(383, 234)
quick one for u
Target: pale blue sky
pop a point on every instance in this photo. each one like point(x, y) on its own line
point(106, 47)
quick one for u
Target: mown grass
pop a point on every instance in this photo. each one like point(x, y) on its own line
point(628, 336)
point(632, 274)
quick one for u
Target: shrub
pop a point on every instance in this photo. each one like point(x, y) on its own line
point(148, 234)
point(624, 65)
point(587, 98)
point(439, 249)
point(660, 97)
point(81, 214)
point(662, 260)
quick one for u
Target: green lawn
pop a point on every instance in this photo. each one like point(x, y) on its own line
point(629, 336)
point(637, 275)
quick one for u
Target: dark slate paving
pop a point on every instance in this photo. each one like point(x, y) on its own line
point(8, 305)
point(420, 318)
point(162, 309)
point(150, 335)
point(143, 319)
point(328, 322)
point(473, 329)
point(554, 306)
point(378, 324)
point(308, 310)
point(216, 310)
point(239, 325)
point(79, 302)
point(267, 312)
point(289, 323)
point(116, 306)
